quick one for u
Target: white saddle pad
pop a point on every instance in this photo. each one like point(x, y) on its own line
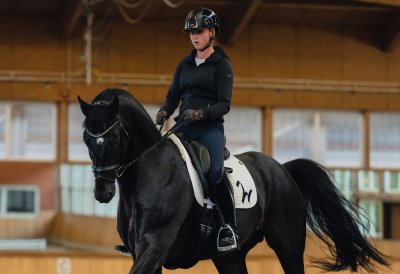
point(241, 180)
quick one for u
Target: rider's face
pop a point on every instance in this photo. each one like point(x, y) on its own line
point(200, 38)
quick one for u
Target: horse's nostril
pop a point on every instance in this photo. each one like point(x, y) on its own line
point(110, 195)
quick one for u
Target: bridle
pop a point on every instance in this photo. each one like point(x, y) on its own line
point(120, 168)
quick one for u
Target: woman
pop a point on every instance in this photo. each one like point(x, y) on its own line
point(203, 84)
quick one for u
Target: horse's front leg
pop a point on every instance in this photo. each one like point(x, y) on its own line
point(126, 236)
point(156, 232)
point(150, 256)
point(158, 271)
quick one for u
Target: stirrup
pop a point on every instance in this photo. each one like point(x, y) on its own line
point(231, 247)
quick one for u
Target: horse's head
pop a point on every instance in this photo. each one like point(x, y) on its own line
point(105, 138)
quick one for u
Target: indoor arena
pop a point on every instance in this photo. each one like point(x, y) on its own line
point(304, 94)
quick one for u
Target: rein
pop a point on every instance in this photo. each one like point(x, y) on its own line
point(165, 136)
point(120, 168)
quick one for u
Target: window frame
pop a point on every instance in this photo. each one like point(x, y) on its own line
point(315, 148)
point(15, 215)
point(8, 133)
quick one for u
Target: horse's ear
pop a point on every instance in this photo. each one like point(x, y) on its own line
point(85, 107)
point(114, 106)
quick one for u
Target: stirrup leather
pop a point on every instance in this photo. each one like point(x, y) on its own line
point(230, 247)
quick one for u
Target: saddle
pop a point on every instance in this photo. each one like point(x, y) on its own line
point(199, 154)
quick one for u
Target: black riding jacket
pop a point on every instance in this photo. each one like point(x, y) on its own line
point(207, 86)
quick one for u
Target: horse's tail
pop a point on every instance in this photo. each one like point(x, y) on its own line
point(333, 219)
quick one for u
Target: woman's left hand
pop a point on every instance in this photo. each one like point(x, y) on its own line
point(191, 115)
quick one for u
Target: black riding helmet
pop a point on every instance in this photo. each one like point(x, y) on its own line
point(201, 18)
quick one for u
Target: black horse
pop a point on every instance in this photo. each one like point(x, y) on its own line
point(158, 218)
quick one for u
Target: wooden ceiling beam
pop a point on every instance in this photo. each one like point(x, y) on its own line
point(394, 3)
point(329, 7)
point(71, 16)
point(236, 26)
point(392, 34)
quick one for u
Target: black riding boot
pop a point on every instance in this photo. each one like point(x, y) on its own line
point(228, 239)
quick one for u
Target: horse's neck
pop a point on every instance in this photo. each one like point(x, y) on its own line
point(143, 133)
point(140, 144)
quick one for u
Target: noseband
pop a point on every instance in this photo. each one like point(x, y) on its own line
point(118, 168)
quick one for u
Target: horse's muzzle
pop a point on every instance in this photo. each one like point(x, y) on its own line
point(104, 198)
point(104, 191)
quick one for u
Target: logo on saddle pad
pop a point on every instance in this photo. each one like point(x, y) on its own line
point(240, 178)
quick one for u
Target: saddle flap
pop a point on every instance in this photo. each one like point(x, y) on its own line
point(201, 153)
point(241, 180)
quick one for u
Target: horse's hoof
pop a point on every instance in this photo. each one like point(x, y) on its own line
point(122, 250)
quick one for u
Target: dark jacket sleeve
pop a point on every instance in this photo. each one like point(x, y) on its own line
point(174, 93)
point(224, 84)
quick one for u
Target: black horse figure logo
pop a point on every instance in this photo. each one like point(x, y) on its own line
point(244, 192)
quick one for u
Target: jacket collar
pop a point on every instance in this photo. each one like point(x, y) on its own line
point(213, 58)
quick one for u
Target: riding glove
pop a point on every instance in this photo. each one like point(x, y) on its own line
point(191, 115)
point(161, 117)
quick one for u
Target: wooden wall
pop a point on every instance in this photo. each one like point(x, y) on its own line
point(153, 48)
point(27, 227)
point(395, 221)
point(45, 177)
point(85, 263)
point(89, 233)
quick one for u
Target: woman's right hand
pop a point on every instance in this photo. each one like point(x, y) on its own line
point(161, 117)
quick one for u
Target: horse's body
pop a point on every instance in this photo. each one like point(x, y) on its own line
point(159, 218)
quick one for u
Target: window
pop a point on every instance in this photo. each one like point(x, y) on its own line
point(152, 111)
point(293, 134)
point(27, 131)
point(3, 118)
point(341, 139)
point(344, 179)
point(332, 138)
point(243, 129)
point(385, 140)
point(19, 201)
point(76, 147)
point(391, 181)
point(77, 197)
point(371, 216)
point(366, 182)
